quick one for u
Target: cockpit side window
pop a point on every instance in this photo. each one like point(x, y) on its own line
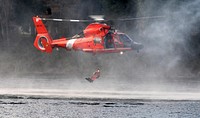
point(125, 39)
point(117, 42)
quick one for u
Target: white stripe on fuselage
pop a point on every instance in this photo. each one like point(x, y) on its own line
point(70, 43)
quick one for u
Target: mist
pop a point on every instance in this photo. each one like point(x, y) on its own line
point(168, 61)
point(162, 64)
point(165, 39)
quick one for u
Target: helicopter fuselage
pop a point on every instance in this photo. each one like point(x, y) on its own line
point(95, 38)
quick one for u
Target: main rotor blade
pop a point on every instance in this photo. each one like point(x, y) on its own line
point(140, 18)
point(69, 20)
point(100, 20)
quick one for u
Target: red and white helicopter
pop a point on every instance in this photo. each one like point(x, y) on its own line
point(95, 38)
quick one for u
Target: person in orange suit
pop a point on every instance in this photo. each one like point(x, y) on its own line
point(94, 76)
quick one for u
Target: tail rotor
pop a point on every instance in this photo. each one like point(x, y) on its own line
point(43, 40)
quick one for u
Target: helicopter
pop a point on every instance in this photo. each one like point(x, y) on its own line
point(95, 38)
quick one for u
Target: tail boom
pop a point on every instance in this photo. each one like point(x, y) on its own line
point(43, 40)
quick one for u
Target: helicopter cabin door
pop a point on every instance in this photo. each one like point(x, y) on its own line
point(108, 41)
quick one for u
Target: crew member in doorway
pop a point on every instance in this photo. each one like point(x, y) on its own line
point(95, 75)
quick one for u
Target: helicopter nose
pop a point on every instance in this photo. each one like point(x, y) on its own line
point(137, 46)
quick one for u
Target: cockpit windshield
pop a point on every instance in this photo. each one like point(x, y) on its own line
point(125, 40)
